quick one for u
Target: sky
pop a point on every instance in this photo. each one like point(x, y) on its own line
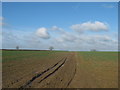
point(76, 26)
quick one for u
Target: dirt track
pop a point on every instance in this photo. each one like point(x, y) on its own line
point(54, 75)
point(61, 70)
point(45, 74)
point(82, 78)
point(60, 77)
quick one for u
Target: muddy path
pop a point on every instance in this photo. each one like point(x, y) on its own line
point(48, 73)
point(58, 75)
point(82, 79)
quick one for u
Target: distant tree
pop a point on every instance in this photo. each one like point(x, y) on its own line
point(93, 50)
point(17, 47)
point(51, 48)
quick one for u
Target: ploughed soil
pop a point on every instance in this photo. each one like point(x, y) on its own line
point(52, 70)
point(59, 70)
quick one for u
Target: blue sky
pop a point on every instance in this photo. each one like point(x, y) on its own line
point(64, 25)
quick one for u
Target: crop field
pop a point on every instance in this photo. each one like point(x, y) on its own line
point(96, 70)
point(59, 69)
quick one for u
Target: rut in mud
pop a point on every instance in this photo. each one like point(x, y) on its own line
point(56, 66)
point(39, 70)
point(59, 76)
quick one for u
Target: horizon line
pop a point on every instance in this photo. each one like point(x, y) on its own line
point(60, 50)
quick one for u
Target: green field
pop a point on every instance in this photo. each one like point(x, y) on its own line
point(20, 55)
point(96, 70)
point(100, 55)
point(79, 69)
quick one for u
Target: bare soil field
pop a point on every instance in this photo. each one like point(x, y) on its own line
point(24, 69)
point(59, 69)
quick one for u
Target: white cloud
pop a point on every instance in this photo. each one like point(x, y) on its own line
point(87, 42)
point(102, 37)
point(65, 41)
point(55, 28)
point(75, 41)
point(42, 33)
point(90, 26)
point(67, 37)
point(61, 39)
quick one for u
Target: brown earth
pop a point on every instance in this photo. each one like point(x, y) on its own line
point(62, 70)
point(55, 70)
point(61, 78)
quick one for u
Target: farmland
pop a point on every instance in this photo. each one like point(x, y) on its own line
point(23, 69)
point(59, 69)
point(96, 70)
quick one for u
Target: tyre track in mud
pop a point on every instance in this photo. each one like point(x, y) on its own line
point(53, 71)
point(71, 79)
point(18, 81)
point(74, 72)
point(60, 79)
point(55, 67)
